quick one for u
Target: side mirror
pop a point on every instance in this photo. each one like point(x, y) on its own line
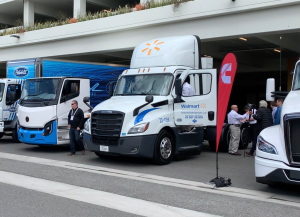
point(86, 99)
point(73, 87)
point(269, 89)
point(178, 89)
point(149, 99)
point(12, 87)
point(111, 89)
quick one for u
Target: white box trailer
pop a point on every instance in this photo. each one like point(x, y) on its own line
point(147, 112)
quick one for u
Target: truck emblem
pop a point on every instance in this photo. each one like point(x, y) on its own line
point(194, 121)
point(21, 72)
point(150, 47)
point(27, 119)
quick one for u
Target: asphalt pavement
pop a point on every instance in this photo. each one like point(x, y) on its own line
point(30, 200)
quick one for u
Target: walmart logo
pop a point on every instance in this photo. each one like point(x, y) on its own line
point(151, 47)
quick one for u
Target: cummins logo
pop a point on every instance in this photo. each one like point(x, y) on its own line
point(21, 72)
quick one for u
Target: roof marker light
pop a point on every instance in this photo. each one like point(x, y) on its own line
point(244, 39)
point(165, 69)
point(144, 70)
point(149, 70)
point(139, 70)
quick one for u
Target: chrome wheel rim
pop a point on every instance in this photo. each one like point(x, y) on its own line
point(165, 148)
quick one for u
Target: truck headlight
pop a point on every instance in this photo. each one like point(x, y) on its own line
point(139, 128)
point(264, 146)
point(48, 129)
point(87, 125)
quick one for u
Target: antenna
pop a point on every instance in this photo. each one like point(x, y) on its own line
point(280, 65)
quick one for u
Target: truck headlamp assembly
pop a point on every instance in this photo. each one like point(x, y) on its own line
point(264, 146)
point(87, 125)
point(139, 128)
point(48, 128)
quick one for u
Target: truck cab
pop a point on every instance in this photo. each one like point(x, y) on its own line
point(10, 93)
point(147, 115)
point(278, 149)
point(44, 107)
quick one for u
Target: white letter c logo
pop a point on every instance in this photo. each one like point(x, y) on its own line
point(226, 68)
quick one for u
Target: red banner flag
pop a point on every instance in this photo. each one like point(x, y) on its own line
point(227, 74)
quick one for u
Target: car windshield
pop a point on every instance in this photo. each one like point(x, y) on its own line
point(2, 85)
point(296, 85)
point(40, 89)
point(158, 84)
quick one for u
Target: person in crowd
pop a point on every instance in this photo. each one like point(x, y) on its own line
point(253, 127)
point(279, 103)
point(234, 120)
point(264, 120)
point(187, 89)
point(75, 123)
point(273, 106)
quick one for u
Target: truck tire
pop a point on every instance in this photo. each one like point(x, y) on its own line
point(15, 135)
point(164, 148)
point(245, 137)
point(1, 135)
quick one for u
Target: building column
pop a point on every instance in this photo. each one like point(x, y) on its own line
point(79, 8)
point(28, 18)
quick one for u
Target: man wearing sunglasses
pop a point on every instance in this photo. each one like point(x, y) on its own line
point(76, 122)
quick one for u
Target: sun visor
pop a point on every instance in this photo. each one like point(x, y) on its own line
point(163, 52)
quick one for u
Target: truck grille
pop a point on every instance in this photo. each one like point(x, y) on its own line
point(106, 127)
point(292, 137)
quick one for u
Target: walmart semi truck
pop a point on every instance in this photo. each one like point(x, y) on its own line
point(147, 115)
point(97, 78)
point(278, 148)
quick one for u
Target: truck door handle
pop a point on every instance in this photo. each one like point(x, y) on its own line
point(211, 115)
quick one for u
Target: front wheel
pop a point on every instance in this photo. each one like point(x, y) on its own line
point(15, 135)
point(164, 148)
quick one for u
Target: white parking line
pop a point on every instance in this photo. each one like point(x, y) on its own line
point(186, 184)
point(99, 198)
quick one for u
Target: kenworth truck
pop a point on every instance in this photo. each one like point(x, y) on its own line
point(278, 147)
point(46, 99)
point(147, 116)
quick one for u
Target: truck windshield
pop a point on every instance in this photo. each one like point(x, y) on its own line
point(158, 84)
point(296, 85)
point(43, 89)
point(2, 85)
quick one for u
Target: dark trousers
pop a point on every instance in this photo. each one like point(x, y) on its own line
point(74, 135)
point(253, 133)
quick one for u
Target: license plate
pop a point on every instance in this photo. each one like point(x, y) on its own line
point(104, 148)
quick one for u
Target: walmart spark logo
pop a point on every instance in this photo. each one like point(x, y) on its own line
point(152, 46)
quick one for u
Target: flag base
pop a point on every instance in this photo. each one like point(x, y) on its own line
point(221, 182)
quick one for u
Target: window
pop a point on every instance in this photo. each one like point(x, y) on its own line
point(2, 85)
point(70, 90)
point(200, 83)
point(156, 84)
point(13, 93)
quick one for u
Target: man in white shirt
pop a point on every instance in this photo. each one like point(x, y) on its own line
point(187, 89)
point(234, 120)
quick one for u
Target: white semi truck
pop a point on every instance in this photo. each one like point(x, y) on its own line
point(147, 116)
point(278, 147)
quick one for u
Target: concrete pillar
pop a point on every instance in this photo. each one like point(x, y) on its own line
point(28, 18)
point(79, 8)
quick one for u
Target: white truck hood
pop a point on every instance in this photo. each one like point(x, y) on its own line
point(36, 117)
point(125, 103)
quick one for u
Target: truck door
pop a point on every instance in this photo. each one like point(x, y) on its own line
point(199, 109)
point(70, 91)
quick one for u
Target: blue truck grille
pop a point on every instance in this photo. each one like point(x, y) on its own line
point(106, 127)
